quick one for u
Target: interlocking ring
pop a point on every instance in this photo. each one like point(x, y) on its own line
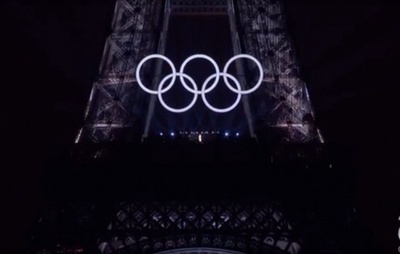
point(204, 90)
point(140, 66)
point(201, 56)
point(182, 75)
point(260, 79)
point(218, 110)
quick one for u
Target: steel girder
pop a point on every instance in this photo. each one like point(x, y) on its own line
point(143, 227)
point(283, 102)
point(113, 105)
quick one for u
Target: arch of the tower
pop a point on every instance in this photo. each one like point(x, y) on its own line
point(208, 228)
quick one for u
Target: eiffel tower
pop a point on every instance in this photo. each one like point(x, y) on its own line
point(164, 164)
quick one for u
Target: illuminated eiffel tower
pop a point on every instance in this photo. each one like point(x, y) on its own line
point(154, 180)
point(119, 111)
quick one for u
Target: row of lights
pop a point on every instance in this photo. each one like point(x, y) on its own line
point(226, 134)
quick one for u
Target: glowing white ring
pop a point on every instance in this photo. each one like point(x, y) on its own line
point(199, 56)
point(151, 57)
point(204, 90)
point(174, 110)
point(220, 110)
point(260, 79)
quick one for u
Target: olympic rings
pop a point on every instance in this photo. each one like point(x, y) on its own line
point(194, 89)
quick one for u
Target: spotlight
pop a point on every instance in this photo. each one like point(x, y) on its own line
point(237, 134)
point(161, 134)
point(172, 134)
point(226, 134)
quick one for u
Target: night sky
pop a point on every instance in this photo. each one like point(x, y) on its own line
point(348, 54)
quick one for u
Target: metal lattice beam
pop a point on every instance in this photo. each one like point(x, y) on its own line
point(198, 6)
point(283, 102)
point(253, 228)
point(112, 107)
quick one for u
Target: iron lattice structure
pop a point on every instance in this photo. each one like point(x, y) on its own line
point(114, 100)
point(90, 215)
point(118, 111)
point(283, 103)
point(147, 227)
point(153, 227)
point(281, 107)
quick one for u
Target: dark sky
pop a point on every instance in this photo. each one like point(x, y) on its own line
point(348, 54)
